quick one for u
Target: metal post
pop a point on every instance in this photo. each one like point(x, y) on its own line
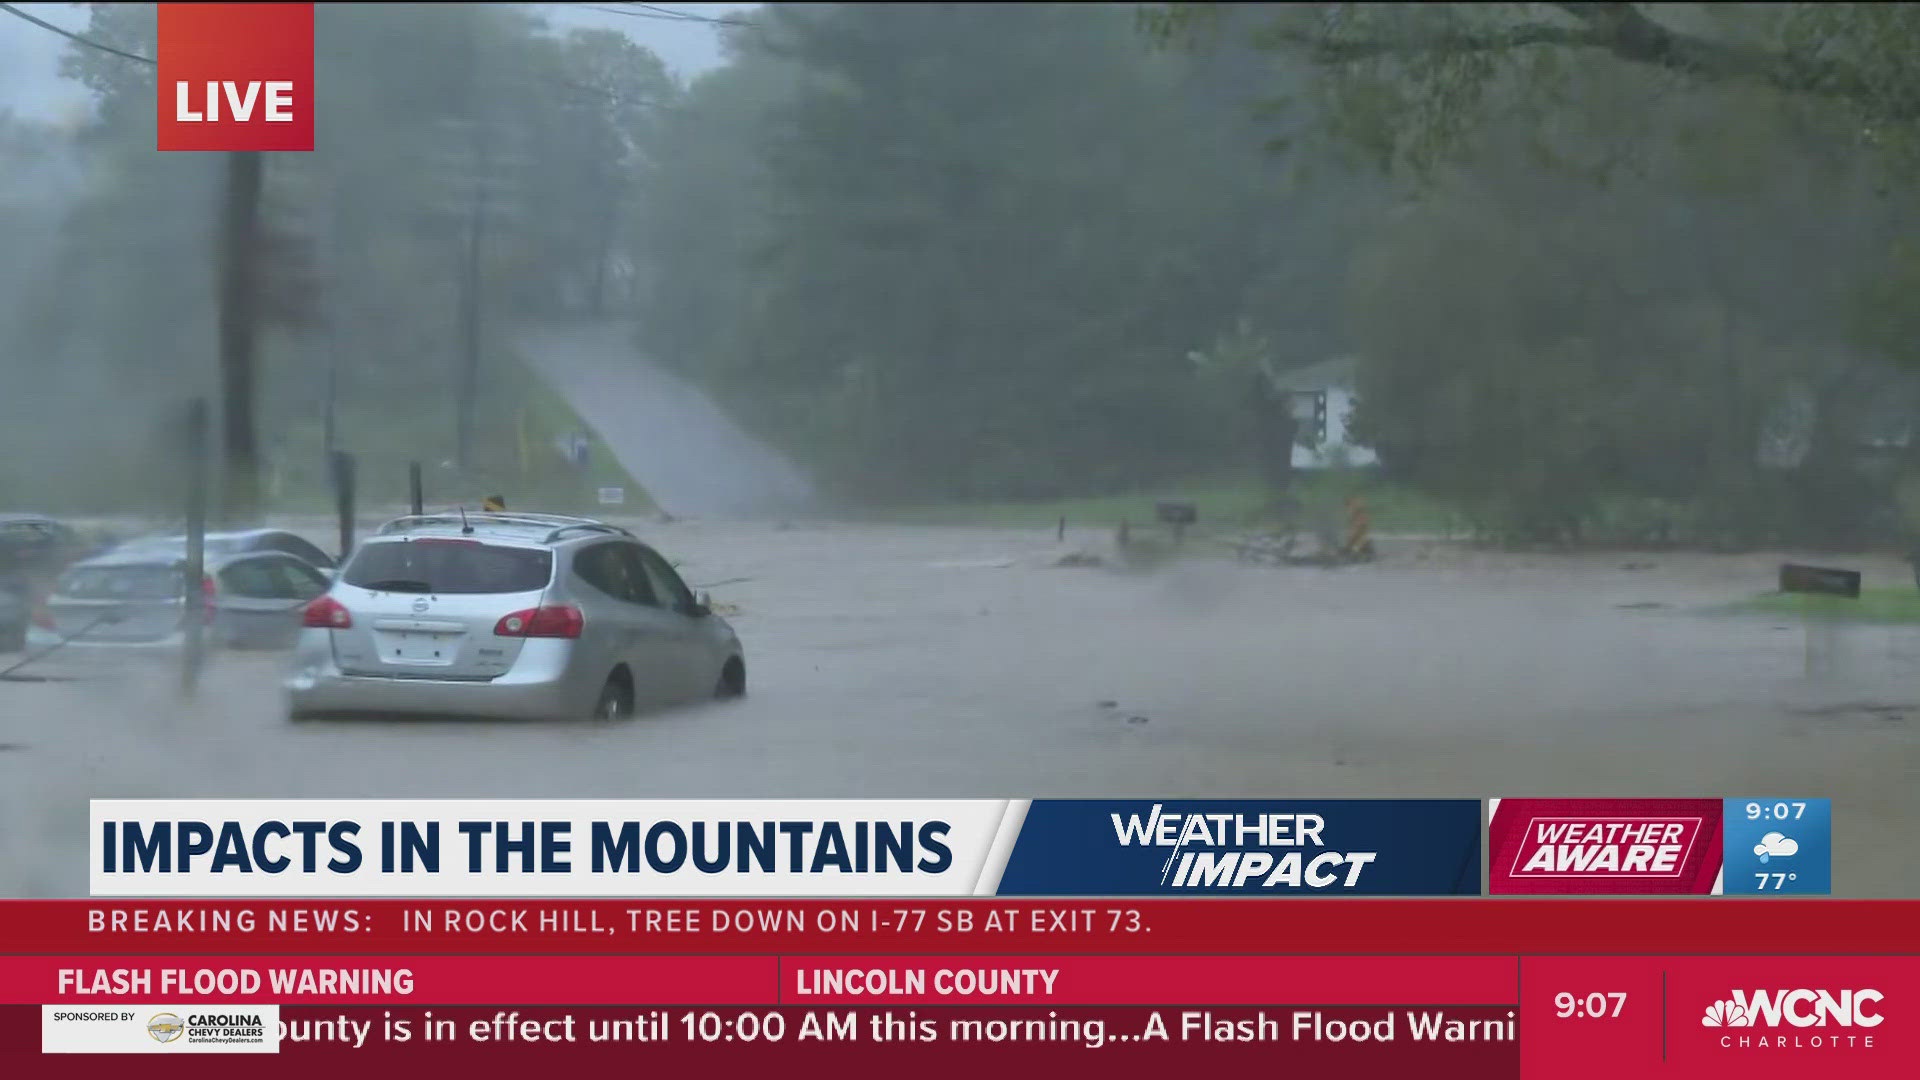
point(416, 493)
point(196, 567)
point(333, 389)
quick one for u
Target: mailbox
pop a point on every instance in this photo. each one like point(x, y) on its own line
point(1819, 579)
point(1176, 513)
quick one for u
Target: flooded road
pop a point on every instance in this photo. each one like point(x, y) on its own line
point(895, 661)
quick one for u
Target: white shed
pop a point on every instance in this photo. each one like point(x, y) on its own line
point(1323, 400)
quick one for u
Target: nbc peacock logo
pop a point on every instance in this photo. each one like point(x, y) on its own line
point(1726, 1014)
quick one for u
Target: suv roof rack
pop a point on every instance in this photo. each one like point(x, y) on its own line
point(558, 523)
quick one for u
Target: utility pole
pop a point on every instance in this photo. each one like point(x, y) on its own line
point(478, 168)
point(330, 313)
point(239, 267)
point(470, 304)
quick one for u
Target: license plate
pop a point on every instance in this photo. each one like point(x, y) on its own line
point(414, 648)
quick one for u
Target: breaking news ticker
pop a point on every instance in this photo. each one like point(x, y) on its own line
point(952, 936)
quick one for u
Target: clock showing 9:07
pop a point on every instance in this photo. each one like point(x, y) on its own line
point(1599, 1005)
point(1778, 847)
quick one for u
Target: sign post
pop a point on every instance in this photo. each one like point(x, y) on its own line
point(195, 570)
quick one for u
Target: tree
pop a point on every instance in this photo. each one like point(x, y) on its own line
point(955, 257)
point(127, 296)
point(1419, 77)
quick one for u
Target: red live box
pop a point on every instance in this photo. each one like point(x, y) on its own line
point(235, 77)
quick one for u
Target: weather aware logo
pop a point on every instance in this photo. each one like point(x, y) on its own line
point(165, 1027)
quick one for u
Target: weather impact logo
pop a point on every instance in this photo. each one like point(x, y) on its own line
point(1235, 850)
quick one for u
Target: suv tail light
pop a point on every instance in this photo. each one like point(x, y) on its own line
point(326, 613)
point(43, 616)
point(208, 593)
point(549, 621)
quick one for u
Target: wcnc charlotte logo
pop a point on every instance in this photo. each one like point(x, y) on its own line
point(1814, 1015)
point(1232, 850)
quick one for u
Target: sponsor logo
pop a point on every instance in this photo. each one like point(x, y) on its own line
point(160, 1029)
point(166, 1027)
point(1242, 850)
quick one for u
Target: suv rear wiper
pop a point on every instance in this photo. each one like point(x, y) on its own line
point(398, 585)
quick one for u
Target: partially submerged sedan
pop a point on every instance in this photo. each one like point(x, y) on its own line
point(519, 616)
point(139, 596)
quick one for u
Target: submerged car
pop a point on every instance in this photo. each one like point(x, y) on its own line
point(242, 542)
point(138, 595)
point(518, 616)
point(34, 549)
point(14, 608)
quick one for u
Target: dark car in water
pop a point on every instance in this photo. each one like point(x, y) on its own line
point(34, 546)
point(15, 608)
point(34, 549)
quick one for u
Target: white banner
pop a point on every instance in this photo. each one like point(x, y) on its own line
point(549, 847)
point(160, 1029)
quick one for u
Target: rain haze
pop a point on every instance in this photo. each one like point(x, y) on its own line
point(1056, 399)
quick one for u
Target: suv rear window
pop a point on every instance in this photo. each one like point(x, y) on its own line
point(123, 583)
point(449, 567)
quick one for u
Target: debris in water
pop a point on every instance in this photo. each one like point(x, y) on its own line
point(1640, 605)
point(1638, 566)
point(1108, 704)
point(1136, 719)
point(1080, 558)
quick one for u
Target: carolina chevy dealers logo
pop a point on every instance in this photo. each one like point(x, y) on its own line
point(1816, 1018)
point(1573, 846)
point(160, 1029)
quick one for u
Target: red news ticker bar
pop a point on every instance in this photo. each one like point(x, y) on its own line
point(746, 980)
point(436, 980)
point(1150, 980)
point(1342, 926)
point(725, 1056)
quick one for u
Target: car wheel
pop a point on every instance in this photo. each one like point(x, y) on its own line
point(733, 680)
point(616, 699)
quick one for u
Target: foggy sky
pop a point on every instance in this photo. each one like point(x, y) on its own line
point(31, 86)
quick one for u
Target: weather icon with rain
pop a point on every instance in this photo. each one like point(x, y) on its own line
point(1776, 845)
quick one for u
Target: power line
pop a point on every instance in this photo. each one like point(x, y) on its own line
point(676, 14)
point(667, 15)
point(73, 37)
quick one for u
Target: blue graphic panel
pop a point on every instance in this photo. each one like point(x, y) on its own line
point(1212, 847)
point(1778, 847)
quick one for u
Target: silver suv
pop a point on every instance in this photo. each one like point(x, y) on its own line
point(509, 615)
